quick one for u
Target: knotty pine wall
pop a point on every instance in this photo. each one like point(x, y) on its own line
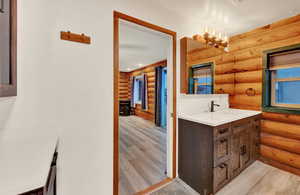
point(241, 69)
point(124, 86)
point(150, 72)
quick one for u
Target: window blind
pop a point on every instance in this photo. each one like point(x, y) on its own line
point(285, 60)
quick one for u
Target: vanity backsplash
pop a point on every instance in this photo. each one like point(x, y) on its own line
point(193, 104)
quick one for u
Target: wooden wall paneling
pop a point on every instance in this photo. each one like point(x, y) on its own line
point(227, 88)
point(248, 77)
point(263, 40)
point(149, 70)
point(272, 26)
point(241, 88)
point(254, 101)
point(254, 51)
point(224, 68)
point(281, 156)
point(282, 143)
point(251, 64)
point(224, 78)
point(124, 85)
point(287, 130)
point(279, 117)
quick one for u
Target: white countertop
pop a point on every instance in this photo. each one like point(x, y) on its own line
point(219, 117)
point(25, 162)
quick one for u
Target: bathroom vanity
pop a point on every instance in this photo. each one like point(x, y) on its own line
point(215, 147)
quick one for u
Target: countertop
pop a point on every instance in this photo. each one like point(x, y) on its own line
point(219, 117)
point(25, 162)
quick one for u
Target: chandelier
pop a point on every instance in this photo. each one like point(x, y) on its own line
point(211, 38)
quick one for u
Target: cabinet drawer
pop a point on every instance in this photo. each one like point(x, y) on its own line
point(221, 175)
point(240, 126)
point(221, 150)
point(222, 131)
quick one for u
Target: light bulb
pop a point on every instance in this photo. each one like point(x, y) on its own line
point(220, 36)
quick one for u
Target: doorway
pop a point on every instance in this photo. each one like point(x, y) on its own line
point(138, 102)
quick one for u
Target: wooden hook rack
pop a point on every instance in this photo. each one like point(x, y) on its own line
point(80, 38)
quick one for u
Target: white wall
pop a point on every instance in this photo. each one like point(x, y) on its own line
point(68, 87)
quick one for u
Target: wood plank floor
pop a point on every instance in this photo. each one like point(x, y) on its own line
point(142, 154)
point(258, 179)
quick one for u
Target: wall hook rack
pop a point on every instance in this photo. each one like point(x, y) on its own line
point(80, 38)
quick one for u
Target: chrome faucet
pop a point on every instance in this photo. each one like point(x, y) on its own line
point(212, 106)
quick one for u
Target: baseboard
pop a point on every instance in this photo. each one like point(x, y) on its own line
point(281, 166)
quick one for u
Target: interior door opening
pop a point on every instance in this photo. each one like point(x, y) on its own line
point(144, 103)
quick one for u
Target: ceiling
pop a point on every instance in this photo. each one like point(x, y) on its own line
point(140, 46)
point(230, 16)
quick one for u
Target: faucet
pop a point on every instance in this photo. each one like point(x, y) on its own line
point(212, 106)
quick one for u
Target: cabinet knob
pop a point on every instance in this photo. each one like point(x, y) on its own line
point(223, 165)
point(222, 131)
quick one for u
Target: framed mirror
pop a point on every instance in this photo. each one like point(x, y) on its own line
point(8, 48)
point(201, 79)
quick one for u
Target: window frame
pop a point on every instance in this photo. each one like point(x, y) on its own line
point(138, 79)
point(191, 86)
point(268, 98)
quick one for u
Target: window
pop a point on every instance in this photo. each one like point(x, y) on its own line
point(201, 79)
point(138, 90)
point(282, 80)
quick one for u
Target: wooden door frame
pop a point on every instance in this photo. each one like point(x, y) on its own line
point(117, 16)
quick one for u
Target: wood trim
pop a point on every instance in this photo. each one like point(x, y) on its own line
point(117, 16)
point(155, 186)
point(287, 105)
point(174, 108)
point(159, 63)
point(276, 67)
point(116, 107)
point(287, 79)
point(280, 166)
point(7, 90)
point(128, 18)
point(184, 75)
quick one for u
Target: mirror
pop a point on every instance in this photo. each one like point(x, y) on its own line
point(8, 45)
point(196, 77)
point(4, 42)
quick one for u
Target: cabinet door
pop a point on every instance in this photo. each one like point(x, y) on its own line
point(235, 154)
point(245, 151)
point(240, 146)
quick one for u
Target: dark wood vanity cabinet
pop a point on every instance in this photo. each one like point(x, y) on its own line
point(210, 157)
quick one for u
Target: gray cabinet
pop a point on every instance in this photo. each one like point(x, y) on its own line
point(210, 157)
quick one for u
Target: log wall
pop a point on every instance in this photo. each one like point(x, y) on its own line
point(241, 69)
point(124, 86)
point(150, 72)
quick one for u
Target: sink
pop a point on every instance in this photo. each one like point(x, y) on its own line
point(219, 117)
